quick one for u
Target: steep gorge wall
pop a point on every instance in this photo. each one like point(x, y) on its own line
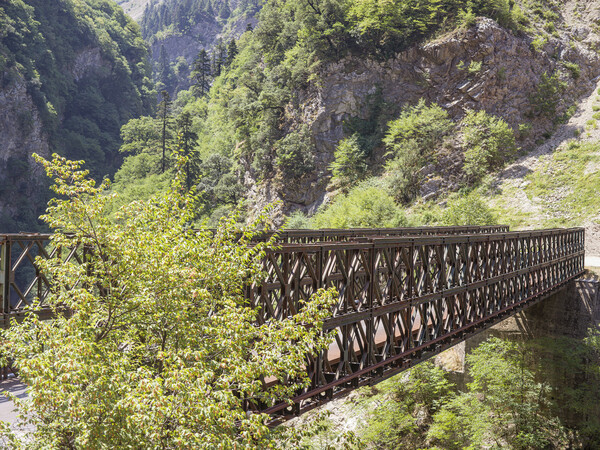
point(21, 134)
point(509, 75)
point(71, 73)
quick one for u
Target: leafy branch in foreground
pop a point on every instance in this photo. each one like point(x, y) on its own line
point(161, 346)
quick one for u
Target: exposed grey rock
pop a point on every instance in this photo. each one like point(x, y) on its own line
point(21, 134)
point(510, 72)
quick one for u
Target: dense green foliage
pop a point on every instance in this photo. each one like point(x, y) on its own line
point(83, 107)
point(504, 404)
point(468, 210)
point(350, 164)
point(489, 143)
point(412, 141)
point(393, 425)
point(547, 96)
point(366, 206)
point(536, 394)
point(161, 347)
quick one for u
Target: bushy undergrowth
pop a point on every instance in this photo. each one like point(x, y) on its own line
point(489, 143)
point(470, 209)
point(366, 206)
point(521, 395)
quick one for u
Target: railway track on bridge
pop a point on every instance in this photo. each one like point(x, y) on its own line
point(405, 294)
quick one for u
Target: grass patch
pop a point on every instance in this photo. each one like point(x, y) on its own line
point(569, 183)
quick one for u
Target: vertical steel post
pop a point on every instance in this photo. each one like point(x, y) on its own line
point(5, 267)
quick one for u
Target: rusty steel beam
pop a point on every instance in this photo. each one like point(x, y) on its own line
point(403, 299)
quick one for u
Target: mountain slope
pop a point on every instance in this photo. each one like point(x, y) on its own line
point(178, 30)
point(71, 72)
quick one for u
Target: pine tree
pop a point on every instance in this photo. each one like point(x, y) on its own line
point(163, 65)
point(187, 141)
point(232, 51)
point(219, 57)
point(164, 111)
point(165, 72)
point(201, 75)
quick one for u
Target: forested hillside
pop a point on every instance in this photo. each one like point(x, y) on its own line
point(371, 104)
point(179, 30)
point(71, 72)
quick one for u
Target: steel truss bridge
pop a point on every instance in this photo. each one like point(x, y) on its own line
point(405, 294)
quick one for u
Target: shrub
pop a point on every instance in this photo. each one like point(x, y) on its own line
point(411, 140)
point(350, 165)
point(474, 67)
point(547, 95)
point(297, 221)
point(573, 68)
point(426, 125)
point(489, 143)
point(503, 402)
point(295, 154)
point(367, 206)
point(469, 210)
point(403, 173)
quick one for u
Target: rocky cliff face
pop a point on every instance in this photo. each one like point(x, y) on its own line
point(135, 8)
point(204, 33)
point(21, 134)
point(484, 67)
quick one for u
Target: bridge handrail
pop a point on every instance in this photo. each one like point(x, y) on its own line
point(336, 234)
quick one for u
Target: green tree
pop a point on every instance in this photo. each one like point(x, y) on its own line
point(161, 348)
point(489, 142)
point(393, 425)
point(548, 94)
point(295, 153)
point(165, 72)
point(142, 135)
point(188, 148)
point(218, 182)
point(164, 114)
point(201, 74)
point(220, 55)
point(350, 165)
point(504, 404)
point(232, 52)
point(412, 140)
